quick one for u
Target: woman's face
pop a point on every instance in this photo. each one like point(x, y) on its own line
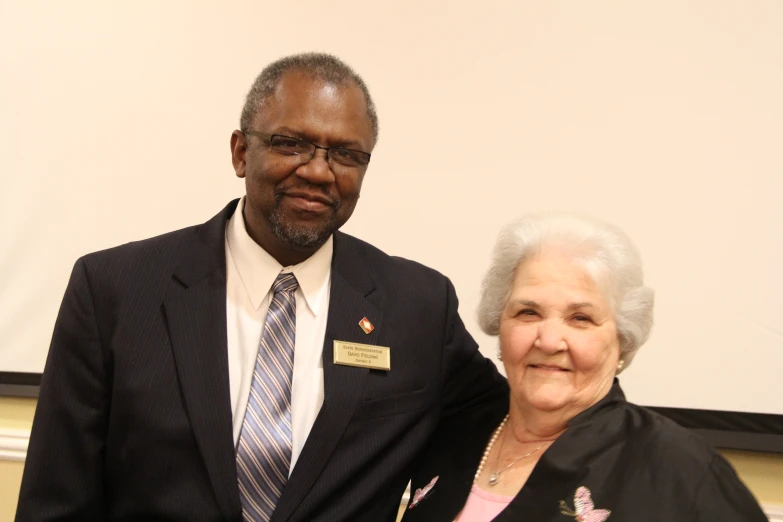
point(558, 337)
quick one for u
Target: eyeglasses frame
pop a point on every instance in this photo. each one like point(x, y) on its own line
point(267, 138)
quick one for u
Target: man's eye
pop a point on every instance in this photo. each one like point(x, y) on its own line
point(342, 153)
point(288, 144)
point(345, 156)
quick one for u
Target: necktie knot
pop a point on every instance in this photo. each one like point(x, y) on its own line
point(285, 283)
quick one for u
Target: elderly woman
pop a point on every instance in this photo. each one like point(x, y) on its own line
point(566, 297)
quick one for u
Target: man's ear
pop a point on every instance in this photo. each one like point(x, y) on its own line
point(238, 151)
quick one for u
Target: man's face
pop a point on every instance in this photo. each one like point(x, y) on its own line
point(292, 205)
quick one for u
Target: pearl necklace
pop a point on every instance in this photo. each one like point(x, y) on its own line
point(494, 478)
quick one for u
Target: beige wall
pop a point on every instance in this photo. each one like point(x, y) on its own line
point(16, 414)
point(763, 473)
point(10, 478)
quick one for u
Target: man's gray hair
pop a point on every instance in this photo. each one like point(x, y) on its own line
point(321, 66)
point(605, 251)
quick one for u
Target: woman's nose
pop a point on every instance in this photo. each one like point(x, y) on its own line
point(551, 336)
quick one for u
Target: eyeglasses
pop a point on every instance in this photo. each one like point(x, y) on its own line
point(288, 146)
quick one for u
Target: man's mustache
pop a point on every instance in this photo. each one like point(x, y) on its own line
point(308, 191)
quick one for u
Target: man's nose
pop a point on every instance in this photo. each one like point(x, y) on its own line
point(317, 171)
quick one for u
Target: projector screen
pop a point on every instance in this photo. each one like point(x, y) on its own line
point(665, 118)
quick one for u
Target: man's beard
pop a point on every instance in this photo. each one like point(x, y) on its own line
point(302, 236)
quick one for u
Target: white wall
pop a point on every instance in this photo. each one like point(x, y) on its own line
point(663, 117)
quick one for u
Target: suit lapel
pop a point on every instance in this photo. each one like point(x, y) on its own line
point(447, 497)
point(459, 448)
point(351, 283)
point(195, 308)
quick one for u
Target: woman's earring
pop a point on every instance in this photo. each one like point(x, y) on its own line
point(500, 355)
point(620, 365)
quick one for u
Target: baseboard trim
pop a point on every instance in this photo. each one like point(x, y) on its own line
point(13, 444)
point(774, 512)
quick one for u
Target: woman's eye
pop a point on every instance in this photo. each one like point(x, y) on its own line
point(582, 318)
point(528, 312)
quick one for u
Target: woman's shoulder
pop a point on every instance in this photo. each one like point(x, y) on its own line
point(668, 461)
point(662, 437)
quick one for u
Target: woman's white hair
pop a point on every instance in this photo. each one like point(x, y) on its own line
point(605, 251)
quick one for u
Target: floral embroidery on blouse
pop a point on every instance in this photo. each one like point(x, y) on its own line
point(422, 493)
point(584, 509)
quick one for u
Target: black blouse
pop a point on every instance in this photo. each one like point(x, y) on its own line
point(636, 464)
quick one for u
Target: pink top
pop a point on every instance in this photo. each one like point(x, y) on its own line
point(482, 506)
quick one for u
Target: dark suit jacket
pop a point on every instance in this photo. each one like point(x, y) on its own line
point(134, 420)
point(637, 464)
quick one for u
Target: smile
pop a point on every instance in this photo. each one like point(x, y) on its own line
point(309, 202)
point(548, 368)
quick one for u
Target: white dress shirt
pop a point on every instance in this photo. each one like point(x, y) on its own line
point(250, 273)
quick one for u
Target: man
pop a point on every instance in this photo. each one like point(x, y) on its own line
point(204, 374)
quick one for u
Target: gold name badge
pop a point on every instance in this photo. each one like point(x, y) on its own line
point(362, 355)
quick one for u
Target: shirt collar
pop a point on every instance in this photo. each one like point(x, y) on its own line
point(258, 270)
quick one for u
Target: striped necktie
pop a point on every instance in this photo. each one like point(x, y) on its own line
point(264, 450)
